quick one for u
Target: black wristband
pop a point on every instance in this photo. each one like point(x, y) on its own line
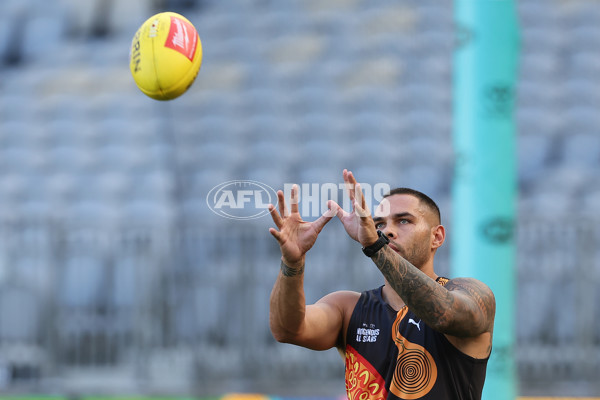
point(375, 247)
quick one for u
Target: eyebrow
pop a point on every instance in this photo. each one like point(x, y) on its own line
point(395, 216)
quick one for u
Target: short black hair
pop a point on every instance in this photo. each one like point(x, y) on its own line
point(423, 198)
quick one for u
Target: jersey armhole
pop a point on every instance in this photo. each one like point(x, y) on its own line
point(455, 349)
point(344, 331)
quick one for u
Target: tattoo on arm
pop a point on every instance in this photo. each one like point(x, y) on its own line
point(424, 296)
point(483, 301)
point(436, 305)
point(289, 272)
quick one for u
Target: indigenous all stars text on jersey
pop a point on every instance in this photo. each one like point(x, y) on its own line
point(367, 334)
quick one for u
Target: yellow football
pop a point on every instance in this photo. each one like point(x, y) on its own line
point(165, 57)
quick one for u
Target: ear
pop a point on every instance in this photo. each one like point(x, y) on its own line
point(438, 235)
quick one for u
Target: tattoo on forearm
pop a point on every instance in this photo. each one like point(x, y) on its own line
point(432, 302)
point(416, 289)
point(289, 272)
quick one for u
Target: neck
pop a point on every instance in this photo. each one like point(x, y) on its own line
point(391, 297)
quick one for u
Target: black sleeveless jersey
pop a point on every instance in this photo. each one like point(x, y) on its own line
point(394, 355)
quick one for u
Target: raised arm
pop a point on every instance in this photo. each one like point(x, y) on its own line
point(316, 326)
point(465, 307)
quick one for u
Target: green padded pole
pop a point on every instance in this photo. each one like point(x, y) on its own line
point(485, 185)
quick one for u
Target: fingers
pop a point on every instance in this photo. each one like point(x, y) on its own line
point(332, 209)
point(294, 199)
point(339, 211)
point(359, 196)
point(349, 181)
point(362, 212)
point(278, 217)
point(360, 204)
point(325, 217)
point(276, 234)
point(333, 206)
point(349, 177)
point(353, 187)
point(281, 203)
point(275, 216)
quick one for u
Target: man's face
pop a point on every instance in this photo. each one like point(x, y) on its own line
point(408, 225)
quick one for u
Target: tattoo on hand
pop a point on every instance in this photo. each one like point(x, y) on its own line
point(289, 272)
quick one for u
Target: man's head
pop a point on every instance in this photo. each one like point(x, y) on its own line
point(424, 199)
point(411, 220)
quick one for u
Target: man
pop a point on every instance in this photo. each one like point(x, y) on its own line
point(419, 336)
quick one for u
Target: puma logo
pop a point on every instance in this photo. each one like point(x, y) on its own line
point(417, 324)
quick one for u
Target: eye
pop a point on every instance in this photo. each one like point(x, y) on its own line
point(379, 225)
point(404, 221)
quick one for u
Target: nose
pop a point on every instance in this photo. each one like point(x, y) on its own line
point(389, 232)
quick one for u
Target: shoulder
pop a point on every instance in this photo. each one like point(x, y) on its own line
point(470, 285)
point(480, 305)
point(343, 299)
point(476, 290)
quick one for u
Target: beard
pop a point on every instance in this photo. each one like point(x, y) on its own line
point(417, 254)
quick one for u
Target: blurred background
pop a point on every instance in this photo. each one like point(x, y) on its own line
point(116, 278)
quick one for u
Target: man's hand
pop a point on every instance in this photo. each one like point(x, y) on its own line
point(358, 224)
point(295, 236)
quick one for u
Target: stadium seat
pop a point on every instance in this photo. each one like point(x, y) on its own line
point(534, 152)
point(577, 90)
point(121, 16)
point(316, 125)
point(21, 327)
point(61, 106)
point(436, 17)
point(15, 135)
point(534, 14)
point(590, 201)
point(585, 63)
point(578, 15)
point(313, 174)
point(584, 36)
point(81, 280)
point(125, 282)
point(429, 179)
point(62, 189)
point(147, 213)
point(50, 28)
point(67, 159)
point(545, 202)
point(581, 149)
point(310, 98)
point(538, 66)
point(16, 106)
point(530, 96)
point(579, 119)
point(13, 189)
point(90, 212)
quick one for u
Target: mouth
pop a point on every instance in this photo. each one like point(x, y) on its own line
point(394, 247)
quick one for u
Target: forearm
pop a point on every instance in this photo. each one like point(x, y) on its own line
point(287, 303)
point(424, 296)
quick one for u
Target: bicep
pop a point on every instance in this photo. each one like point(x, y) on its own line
point(324, 321)
point(474, 307)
